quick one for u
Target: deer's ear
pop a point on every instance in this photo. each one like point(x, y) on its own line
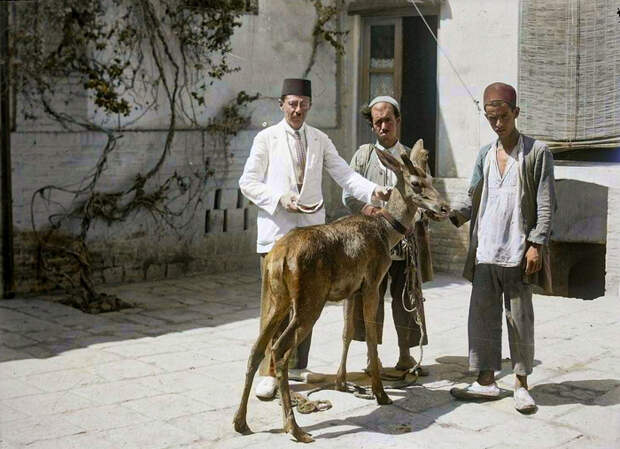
point(413, 168)
point(419, 145)
point(419, 155)
point(408, 163)
point(389, 161)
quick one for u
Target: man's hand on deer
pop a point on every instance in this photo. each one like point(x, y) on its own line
point(381, 193)
point(289, 201)
point(370, 210)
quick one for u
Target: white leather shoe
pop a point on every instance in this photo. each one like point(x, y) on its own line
point(477, 391)
point(266, 389)
point(305, 375)
point(524, 402)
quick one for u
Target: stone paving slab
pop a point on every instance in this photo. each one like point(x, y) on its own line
point(168, 373)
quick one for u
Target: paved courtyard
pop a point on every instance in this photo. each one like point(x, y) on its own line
point(168, 373)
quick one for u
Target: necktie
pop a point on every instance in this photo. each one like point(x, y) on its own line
point(301, 159)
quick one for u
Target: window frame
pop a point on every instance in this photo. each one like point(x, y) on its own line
point(365, 70)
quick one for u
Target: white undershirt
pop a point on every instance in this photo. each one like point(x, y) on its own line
point(291, 142)
point(501, 234)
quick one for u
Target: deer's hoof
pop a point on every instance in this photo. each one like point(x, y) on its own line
point(241, 426)
point(301, 436)
point(383, 399)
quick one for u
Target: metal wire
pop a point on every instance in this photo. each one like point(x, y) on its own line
point(476, 102)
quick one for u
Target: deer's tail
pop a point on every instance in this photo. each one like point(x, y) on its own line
point(273, 284)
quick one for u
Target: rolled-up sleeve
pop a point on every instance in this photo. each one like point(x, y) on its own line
point(461, 213)
point(545, 198)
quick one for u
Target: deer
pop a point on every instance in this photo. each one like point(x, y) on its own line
point(312, 265)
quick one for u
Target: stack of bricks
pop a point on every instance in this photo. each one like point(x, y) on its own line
point(230, 230)
point(448, 243)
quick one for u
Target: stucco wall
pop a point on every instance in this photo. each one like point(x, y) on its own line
point(589, 217)
point(481, 39)
point(267, 48)
point(479, 36)
point(612, 257)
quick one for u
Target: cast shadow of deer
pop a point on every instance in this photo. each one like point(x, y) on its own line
point(312, 265)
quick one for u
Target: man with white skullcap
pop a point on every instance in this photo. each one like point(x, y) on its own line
point(510, 204)
point(383, 116)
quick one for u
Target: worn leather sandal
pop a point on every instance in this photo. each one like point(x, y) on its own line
point(420, 371)
point(385, 375)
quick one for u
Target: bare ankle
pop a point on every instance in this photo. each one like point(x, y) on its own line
point(486, 377)
point(404, 353)
point(521, 381)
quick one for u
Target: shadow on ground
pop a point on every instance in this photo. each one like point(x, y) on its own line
point(42, 327)
point(420, 405)
point(410, 410)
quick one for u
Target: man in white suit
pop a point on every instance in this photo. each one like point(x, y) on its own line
point(283, 176)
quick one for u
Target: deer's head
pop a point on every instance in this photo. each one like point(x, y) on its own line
point(413, 182)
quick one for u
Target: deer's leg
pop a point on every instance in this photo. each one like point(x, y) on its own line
point(296, 331)
point(347, 336)
point(370, 300)
point(272, 323)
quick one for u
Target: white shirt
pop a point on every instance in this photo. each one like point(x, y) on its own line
point(501, 231)
point(291, 141)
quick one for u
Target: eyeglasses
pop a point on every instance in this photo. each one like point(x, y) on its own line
point(303, 104)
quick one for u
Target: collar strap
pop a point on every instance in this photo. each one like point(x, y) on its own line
point(397, 225)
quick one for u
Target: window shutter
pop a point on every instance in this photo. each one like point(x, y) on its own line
point(569, 73)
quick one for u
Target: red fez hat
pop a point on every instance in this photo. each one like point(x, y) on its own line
point(500, 92)
point(297, 86)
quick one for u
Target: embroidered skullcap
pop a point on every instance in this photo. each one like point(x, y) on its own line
point(501, 92)
point(297, 86)
point(385, 99)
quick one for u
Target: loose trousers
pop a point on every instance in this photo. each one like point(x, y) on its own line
point(493, 287)
point(299, 358)
point(407, 330)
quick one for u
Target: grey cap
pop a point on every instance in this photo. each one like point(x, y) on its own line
point(384, 99)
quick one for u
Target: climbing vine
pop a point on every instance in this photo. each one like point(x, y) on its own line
point(128, 57)
point(231, 120)
point(322, 32)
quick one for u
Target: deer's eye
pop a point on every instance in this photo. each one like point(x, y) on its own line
point(417, 187)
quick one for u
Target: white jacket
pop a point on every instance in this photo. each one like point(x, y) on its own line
point(269, 173)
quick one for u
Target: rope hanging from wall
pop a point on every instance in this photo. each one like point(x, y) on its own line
point(456, 72)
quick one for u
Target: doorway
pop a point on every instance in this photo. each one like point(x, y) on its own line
point(399, 58)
